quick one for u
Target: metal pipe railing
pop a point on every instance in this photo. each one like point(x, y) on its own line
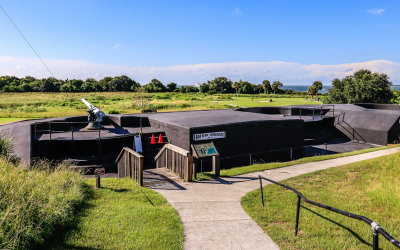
point(51, 131)
point(376, 229)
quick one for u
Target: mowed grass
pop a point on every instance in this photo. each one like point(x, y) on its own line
point(8, 120)
point(265, 166)
point(122, 215)
point(46, 105)
point(264, 101)
point(370, 188)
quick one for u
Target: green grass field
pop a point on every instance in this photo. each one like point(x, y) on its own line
point(272, 165)
point(18, 106)
point(122, 215)
point(370, 188)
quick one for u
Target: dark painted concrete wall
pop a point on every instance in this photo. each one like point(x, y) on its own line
point(247, 137)
point(20, 133)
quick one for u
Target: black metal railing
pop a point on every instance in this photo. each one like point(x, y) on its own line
point(317, 111)
point(52, 128)
point(376, 229)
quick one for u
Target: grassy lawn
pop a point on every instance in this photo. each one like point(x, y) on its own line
point(4, 120)
point(271, 165)
point(45, 105)
point(263, 101)
point(122, 215)
point(370, 188)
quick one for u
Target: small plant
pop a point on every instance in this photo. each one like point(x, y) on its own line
point(6, 146)
point(112, 111)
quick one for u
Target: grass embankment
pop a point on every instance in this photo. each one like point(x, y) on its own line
point(370, 188)
point(46, 105)
point(4, 120)
point(122, 215)
point(272, 165)
point(34, 201)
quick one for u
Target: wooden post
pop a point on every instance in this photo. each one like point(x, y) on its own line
point(216, 165)
point(130, 165)
point(189, 167)
point(173, 165)
point(98, 181)
point(141, 171)
point(194, 170)
point(166, 157)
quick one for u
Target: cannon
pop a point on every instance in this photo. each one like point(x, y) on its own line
point(95, 116)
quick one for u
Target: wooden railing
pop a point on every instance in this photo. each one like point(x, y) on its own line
point(130, 164)
point(176, 159)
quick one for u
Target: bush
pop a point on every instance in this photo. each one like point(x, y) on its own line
point(115, 112)
point(34, 201)
point(6, 146)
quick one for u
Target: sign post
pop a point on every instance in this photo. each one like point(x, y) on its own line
point(208, 150)
point(97, 173)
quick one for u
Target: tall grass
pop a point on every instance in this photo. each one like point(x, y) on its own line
point(34, 201)
point(6, 146)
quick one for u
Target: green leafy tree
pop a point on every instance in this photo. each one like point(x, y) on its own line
point(361, 87)
point(266, 85)
point(257, 88)
point(121, 83)
point(50, 84)
point(244, 87)
point(221, 85)
point(171, 87)
point(90, 85)
point(276, 86)
point(105, 83)
point(154, 86)
point(204, 88)
point(188, 89)
point(312, 90)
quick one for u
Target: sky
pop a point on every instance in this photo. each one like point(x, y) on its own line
point(188, 42)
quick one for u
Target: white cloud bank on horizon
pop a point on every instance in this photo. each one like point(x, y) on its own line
point(287, 72)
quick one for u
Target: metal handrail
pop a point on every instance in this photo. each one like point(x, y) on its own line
point(376, 229)
point(315, 108)
point(50, 131)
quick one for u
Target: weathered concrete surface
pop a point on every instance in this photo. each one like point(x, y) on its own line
point(211, 213)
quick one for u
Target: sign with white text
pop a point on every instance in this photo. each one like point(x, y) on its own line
point(209, 136)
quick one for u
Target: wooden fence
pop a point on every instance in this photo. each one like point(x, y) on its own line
point(130, 164)
point(176, 159)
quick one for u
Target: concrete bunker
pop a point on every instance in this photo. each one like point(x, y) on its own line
point(242, 136)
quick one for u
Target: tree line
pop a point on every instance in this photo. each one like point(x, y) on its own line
point(219, 85)
point(362, 86)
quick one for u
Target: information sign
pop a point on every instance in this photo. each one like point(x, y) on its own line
point(205, 150)
point(99, 171)
point(209, 136)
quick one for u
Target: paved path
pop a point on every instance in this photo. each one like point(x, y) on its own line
point(211, 213)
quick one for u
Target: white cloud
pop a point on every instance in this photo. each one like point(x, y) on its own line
point(255, 72)
point(116, 46)
point(375, 12)
point(237, 12)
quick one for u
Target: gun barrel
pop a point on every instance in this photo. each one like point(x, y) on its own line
point(90, 106)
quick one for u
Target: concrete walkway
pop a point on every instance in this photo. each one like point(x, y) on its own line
point(211, 213)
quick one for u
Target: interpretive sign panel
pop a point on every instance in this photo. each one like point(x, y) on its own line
point(205, 150)
point(209, 136)
point(99, 171)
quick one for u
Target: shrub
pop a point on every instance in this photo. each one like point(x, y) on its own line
point(112, 111)
point(34, 201)
point(6, 146)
